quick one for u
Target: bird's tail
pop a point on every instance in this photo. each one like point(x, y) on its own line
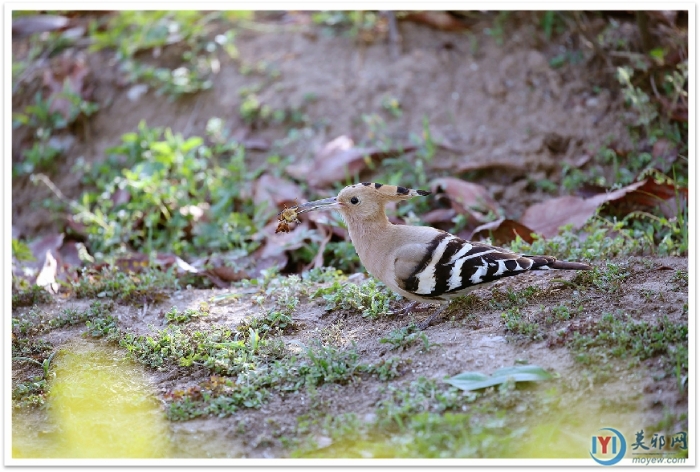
point(549, 262)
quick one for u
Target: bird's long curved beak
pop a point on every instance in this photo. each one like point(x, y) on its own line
point(325, 204)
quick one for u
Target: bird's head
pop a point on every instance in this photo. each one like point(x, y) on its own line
point(364, 201)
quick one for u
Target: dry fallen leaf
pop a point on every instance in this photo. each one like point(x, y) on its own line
point(250, 143)
point(255, 144)
point(466, 198)
point(281, 242)
point(439, 216)
point(502, 232)
point(184, 266)
point(588, 190)
point(338, 160)
point(437, 19)
point(70, 254)
point(650, 194)
point(40, 247)
point(54, 260)
point(332, 220)
point(547, 217)
point(47, 275)
point(278, 245)
point(467, 165)
point(275, 190)
point(270, 193)
point(66, 74)
point(222, 269)
point(30, 24)
point(582, 160)
point(642, 195)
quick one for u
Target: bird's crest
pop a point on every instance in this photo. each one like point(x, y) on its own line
point(394, 191)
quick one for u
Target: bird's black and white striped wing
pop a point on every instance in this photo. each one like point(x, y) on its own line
point(451, 267)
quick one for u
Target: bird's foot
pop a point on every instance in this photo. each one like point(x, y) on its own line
point(432, 318)
point(414, 307)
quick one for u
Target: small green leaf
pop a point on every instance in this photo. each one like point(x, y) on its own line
point(21, 251)
point(191, 143)
point(520, 373)
point(657, 53)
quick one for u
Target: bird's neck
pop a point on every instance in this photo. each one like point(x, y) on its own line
point(364, 233)
point(360, 228)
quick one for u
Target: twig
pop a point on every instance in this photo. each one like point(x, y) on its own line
point(46, 181)
point(643, 25)
point(71, 204)
point(653, 87)
point(597, 49)
point(194, 113)
point(30, 69)
point(627, 54)
point(318, 259)
point(394, 35)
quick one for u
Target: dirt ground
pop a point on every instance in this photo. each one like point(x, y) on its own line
point(472, 340)
point(486, 103)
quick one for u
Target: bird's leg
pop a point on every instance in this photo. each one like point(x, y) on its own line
point(411, 308)
point(428, 321)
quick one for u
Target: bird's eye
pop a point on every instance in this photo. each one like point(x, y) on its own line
point(354, 200)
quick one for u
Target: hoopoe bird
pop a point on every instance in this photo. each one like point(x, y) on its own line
point(422, 263)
